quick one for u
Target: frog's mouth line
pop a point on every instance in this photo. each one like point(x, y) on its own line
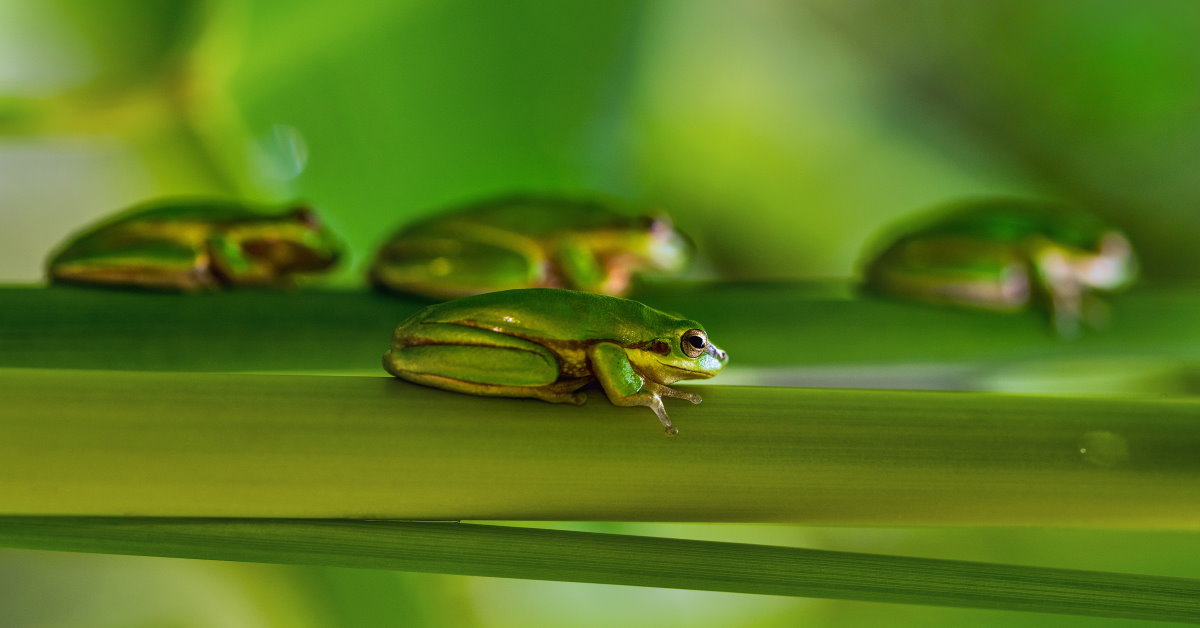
point(703, 374)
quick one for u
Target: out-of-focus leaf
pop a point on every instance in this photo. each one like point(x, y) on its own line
point(617, 559)
point(433, 103)
point(1098, 101)
point(764, 325)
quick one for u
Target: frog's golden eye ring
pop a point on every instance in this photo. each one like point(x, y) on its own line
point(694, 342)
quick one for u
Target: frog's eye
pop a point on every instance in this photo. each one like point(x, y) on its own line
point(693, 342)
point(306, 216)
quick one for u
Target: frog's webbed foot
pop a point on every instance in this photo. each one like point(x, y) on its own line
point(652, 401)
point(666, 391)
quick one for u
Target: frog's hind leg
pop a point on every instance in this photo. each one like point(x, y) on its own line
point(450, 267)
point(952, 271)
point(152, 266)
point(480, 362)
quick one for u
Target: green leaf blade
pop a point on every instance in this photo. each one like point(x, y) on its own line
point(507, 552)
point(186, 444)
point(767, 325)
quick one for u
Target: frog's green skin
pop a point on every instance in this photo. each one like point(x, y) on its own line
point(528, 242)
point(196, 244)
point(1007, 255)
point(549, 343)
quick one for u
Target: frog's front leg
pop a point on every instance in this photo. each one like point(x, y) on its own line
point(239, 269)
point(579, 267)
point(583, 269)
point(1056, 278)
point(626, 387)
point(478, 361)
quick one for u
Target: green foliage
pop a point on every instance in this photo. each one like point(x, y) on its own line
point(615, 559)
point(165, 32)
point(1094, 101)
point(434, 104)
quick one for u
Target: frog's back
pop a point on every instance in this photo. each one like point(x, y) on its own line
point(536, 216)
point(1013, 220)
point(171, 219)
point(212, 211)
point(554, 314)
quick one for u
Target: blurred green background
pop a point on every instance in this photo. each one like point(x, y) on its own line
point(782, 135)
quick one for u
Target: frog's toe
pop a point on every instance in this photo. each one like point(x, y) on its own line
point(667, 391)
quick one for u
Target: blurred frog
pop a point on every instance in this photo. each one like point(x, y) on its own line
point(1007, 255)
point(529, 242)
point(193, 244)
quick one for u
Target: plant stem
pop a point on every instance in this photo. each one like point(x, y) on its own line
point(540, 554)
point(760, 325)
point(170, 444)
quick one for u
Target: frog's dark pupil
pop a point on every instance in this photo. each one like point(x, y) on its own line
point(696, 341)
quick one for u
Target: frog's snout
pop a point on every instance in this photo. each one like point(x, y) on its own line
point(720, 355)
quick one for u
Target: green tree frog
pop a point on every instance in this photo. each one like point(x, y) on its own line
point(548, 343)
point(193, 244)
point(1007, 255)
point(528, 242)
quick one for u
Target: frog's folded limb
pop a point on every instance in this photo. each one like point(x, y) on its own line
point(478, 361)
point(953, 270)
point(625, 387)
point(579, 267)
point(152, 266)
point(194, 244)
point(448, 268)
point(232, 264)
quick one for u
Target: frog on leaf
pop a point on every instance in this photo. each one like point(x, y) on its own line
point(1007, 255)
point(529, 242)
point(548, 344)
point(194, 244)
